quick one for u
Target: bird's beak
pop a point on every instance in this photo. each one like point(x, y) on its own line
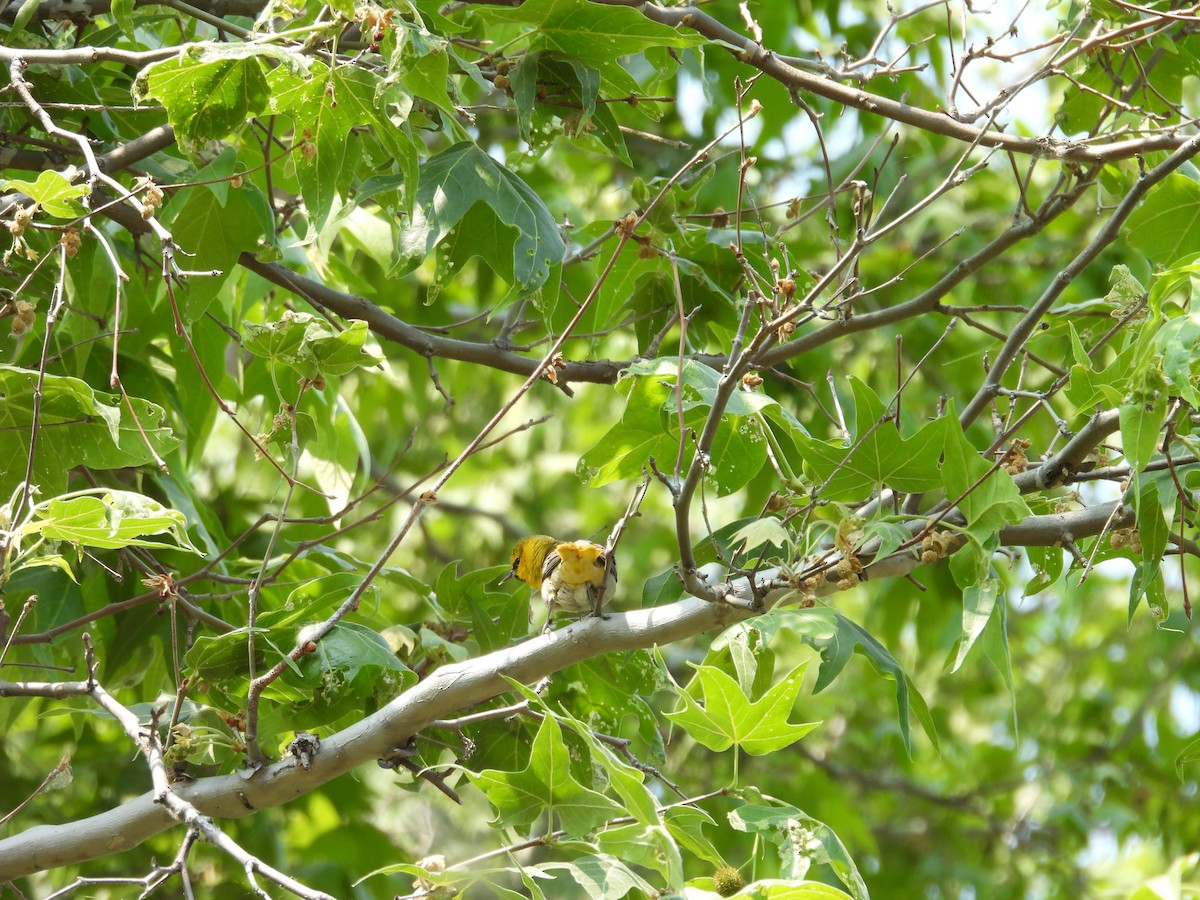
point(512, 573)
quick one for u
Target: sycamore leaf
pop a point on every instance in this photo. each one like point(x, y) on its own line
point(686, 825)
point(1164, 226)
point(1141, 421)
point(649, 427)
point(836, 638)
point(108, 520)
point(800, 839)
point(972, 570)
point(456, 180)
point(80, 426)
point(628, 782)
point(877, 455)
point(545, 786)
point(727, 716)
point(1189, 754)
point(642, 433)
point(989, 499)
point(595, 34)
point(310, 345)
point(601, 876)
point(1153, 531)
point(215, 227)
point(52, 192)
point(325, 108)
point(207, 98)
point(352, 668)
point(1176, 341)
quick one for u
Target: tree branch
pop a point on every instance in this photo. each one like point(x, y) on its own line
point(461, 686)
point(83, 10)
point(774, 66)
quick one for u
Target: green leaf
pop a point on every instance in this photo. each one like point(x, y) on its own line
point(595, 34)
point(206, 98)
point(79, 426)
point(122, 12)
point(326, 107)
point(219, 658)
point(310, 345)
point(889, 534)
point(836, 638)
point(777, 889)
point(801, 839)
point(1047, 563)
point(995, 647)
point(642, 433)
point(1141, 422)
point(601, 877)
point(545, 786)
point(53, 193)
point(729, 718)
point(760, 533)
point(700, 386)
point(454, 181)
point(686, 825)
point(213, 232)
point(1154, 534)
point(313, 600)
point(628, 782)
point(108, 520)
point(1176, 883)
point(649, 846)
point(351, 670)
point(1132, 369)
point(1176, 341)
point(649, 427)
point(750, 654)
point(608, 693)
point(990, 502)
point(972, 570)
point(878, 455)
point(574, 85)
point(1166, 226)
point(979, 602)
point(424, 68)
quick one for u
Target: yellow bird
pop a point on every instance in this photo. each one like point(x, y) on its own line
point(569, 574)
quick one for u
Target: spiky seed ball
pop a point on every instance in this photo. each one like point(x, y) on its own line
point(727, 881)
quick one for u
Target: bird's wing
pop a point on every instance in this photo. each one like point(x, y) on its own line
point(551, 563)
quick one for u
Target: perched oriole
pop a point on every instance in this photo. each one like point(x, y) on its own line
point(569, 574)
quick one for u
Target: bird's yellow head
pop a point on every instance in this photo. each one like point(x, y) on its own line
point(528, 557)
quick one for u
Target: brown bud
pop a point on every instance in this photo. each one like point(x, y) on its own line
point(71, 241)
point(24, 318)
point(628, 224)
